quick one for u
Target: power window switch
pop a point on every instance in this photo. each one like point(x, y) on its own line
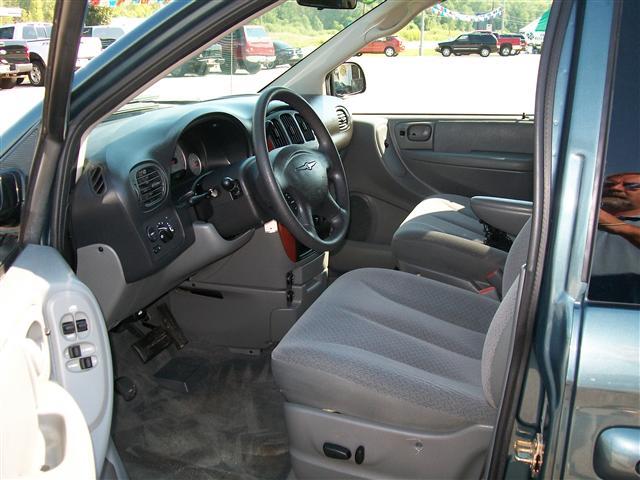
point(81, 325)
point(68, 328)
point(88, 362)
point(75, 351)
point(85, 362)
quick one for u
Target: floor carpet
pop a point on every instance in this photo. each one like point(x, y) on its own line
point(230, 425)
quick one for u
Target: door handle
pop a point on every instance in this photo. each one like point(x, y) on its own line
point(419, 132)
point(617, 453)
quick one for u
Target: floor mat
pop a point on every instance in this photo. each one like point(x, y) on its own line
point(229, 426)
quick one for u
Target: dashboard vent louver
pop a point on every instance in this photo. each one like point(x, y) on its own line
point(96, 181)
point(305, 128)
point(150, 185)
point(344, 122)
point(277, 134)
point(292, 128)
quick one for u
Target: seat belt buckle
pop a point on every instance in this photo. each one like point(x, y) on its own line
point(495, 280)
point(490, 292)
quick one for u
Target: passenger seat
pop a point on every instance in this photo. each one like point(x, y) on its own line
point(444, 239)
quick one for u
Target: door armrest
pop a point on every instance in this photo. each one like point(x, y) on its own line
point(504, 214)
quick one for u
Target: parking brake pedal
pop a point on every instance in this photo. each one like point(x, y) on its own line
point(152, 344)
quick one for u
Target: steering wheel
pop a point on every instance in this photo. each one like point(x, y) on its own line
point(301, 183)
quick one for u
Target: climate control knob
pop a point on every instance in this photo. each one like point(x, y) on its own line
point(165, 231)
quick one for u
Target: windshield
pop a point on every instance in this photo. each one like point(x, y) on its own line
point(255, 54)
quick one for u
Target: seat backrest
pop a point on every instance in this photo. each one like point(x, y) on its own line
point(497, 343)
point(517, 256)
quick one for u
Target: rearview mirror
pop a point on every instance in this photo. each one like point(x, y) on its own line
point(347, 79)
point(331, 4)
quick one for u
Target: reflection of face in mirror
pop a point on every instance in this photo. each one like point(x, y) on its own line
point(620, 206)
point(621, 194)
point(615, 272)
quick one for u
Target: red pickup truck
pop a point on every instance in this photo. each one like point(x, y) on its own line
point(508, 43)
point(249, 47)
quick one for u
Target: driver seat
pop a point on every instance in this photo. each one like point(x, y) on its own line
point(392, 375)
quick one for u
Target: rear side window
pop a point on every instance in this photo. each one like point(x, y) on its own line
point(615, 264)
point(6, 33)
point(29, 32)
point(42, 32)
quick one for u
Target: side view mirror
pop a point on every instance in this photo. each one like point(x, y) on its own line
point(347, 79)
point(330, 4)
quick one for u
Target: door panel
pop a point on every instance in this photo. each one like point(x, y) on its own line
point(395, 162)
point(55, 411)
point(469, 157)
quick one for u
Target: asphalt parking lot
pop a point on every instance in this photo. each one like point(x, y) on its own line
point(403, 85)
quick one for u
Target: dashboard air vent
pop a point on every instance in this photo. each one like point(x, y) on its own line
point(344, 122)
point(150, 184)
point(292, 128)
point(305, 128)
point(277, 134)
point(96, 181)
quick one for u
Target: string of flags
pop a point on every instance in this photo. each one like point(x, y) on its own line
point(438, 9)
point(117, 3)
point(442, 11)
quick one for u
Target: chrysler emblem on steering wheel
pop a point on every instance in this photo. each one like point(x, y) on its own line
point(307, 165)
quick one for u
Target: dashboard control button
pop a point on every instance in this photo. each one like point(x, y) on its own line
point(152, 234)
point(228, 183)
point(165, 231)
point(156, 249)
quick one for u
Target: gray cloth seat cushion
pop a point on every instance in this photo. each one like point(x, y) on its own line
point(442, 235)
point(393, 348)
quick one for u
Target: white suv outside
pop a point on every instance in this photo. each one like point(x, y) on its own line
point(37, 35)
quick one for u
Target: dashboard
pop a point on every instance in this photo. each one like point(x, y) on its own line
point(153, 182)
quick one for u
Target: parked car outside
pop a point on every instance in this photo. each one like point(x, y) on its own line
point(511, 44)
point(37, 36)
point(481, 43)
point(391, 46)
point(106, 33)
point(508, 43)
point(14, 63)
point(285, 54)
point(201, 64)
point(248, 47)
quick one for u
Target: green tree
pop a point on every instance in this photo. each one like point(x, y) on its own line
point(98, 15)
